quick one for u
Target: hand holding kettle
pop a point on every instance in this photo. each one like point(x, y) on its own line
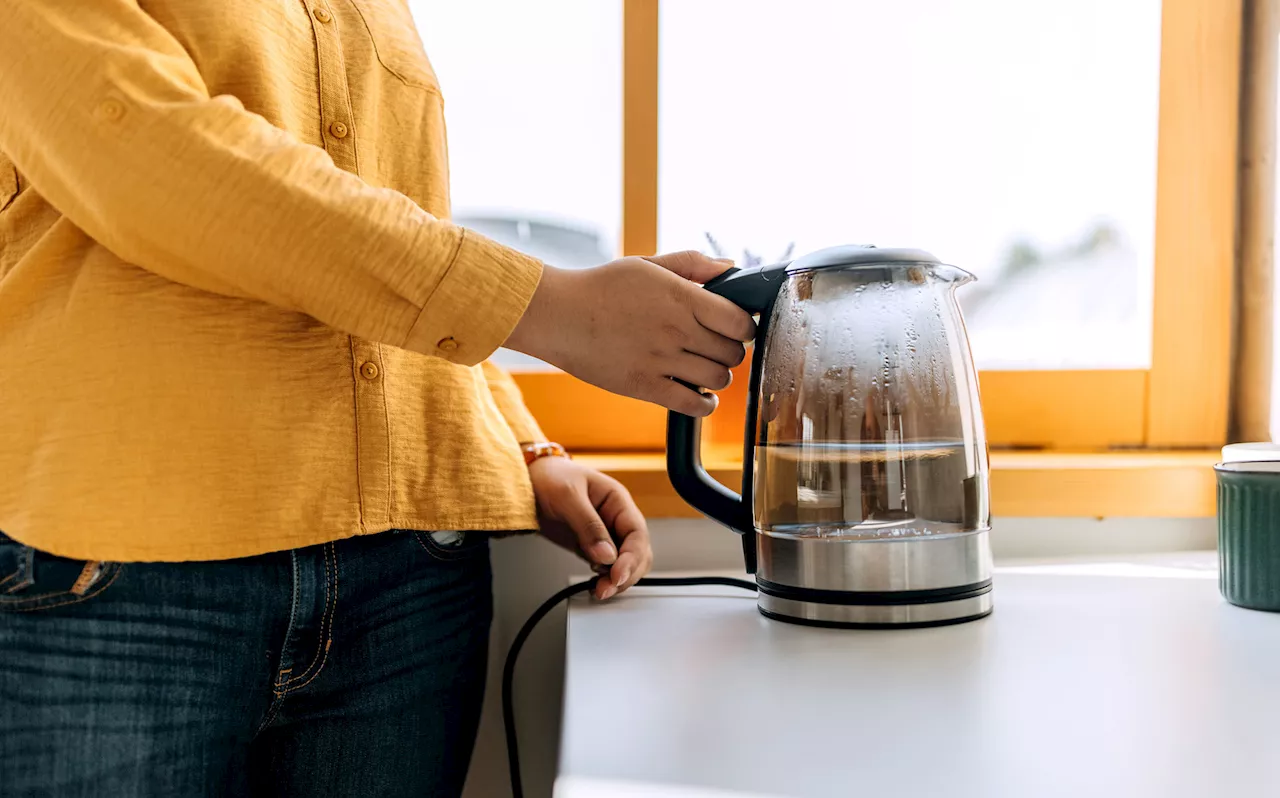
point(632, 325)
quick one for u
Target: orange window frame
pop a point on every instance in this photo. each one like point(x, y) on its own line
point(1181, 401)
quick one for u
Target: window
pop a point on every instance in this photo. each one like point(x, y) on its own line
point(1079, 157)
point(534, 109)
point(1016, 140)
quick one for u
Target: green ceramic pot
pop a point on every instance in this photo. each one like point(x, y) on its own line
point(1249, 534)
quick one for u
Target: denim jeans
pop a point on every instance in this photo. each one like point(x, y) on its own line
point(351, 668)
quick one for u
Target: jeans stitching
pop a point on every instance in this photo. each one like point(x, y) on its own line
point(285, 691)
point(443, 554)
point(10, 576)
point(323, 643)
point(320, 638)
point(418, 537)
point(26, 577)
point(288, 687)
point(115, 575)
point(293, 615)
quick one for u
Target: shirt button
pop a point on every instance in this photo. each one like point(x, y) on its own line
point(338, 130)
point(447, 345)
point(369, 370)
point(321, 15)
point(111, 110)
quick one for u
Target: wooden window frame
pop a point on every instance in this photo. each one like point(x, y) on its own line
point(1180, 402)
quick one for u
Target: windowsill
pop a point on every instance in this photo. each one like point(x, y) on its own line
point(1177, 484)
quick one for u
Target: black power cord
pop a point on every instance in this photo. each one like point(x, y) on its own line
point(509, 668)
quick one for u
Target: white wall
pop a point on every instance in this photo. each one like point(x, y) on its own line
point(527, 570)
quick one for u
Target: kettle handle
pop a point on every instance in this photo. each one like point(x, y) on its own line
point(690, 478)
point(754, 290)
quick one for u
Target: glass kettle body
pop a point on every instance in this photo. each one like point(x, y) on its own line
point(865, 497)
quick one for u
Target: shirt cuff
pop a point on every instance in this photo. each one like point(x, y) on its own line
point(477, 303)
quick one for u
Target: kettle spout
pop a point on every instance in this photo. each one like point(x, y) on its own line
point(955, 275)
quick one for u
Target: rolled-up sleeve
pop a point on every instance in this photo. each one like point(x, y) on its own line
point(108, 117)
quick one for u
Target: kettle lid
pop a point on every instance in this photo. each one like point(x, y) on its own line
point(855, 254)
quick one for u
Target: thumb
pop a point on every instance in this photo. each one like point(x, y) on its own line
point(692, 265)
point(589, 529)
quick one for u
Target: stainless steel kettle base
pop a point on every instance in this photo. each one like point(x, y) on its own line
point(921, 581)
point(861, 616)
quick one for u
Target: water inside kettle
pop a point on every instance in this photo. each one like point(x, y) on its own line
point(882, 490)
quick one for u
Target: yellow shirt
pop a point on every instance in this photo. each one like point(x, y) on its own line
point(233, 316)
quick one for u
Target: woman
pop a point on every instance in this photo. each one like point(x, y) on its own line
point(253, 453)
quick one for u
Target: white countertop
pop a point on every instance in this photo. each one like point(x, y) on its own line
point(1121, 678)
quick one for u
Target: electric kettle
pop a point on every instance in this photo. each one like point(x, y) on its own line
point(865, 499)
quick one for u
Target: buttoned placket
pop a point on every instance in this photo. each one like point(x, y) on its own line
point(339, 132)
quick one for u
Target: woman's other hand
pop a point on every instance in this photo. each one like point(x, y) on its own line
point(585, 511)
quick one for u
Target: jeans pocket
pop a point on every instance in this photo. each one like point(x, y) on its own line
point(33, 580)
point(454, 546)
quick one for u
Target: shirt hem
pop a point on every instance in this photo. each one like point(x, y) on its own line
point(235, 550)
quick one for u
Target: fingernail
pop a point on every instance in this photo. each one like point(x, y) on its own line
point(609, 592)
point(725, 261)
point(602, 551)
point(622, 580)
